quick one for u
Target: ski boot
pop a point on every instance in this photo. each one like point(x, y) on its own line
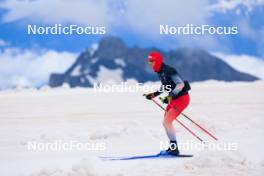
point(173, 149)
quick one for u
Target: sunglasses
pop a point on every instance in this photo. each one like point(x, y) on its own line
point(150, 63)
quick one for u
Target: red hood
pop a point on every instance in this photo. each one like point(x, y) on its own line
point(156, 58)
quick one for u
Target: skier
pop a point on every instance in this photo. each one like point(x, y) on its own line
point(177, 99)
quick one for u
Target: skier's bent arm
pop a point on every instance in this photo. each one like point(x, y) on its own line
point(179, 85)
point(158, 92)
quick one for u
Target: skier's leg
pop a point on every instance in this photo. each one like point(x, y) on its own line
point(170, 131)
point(173, 110)
point(169, 117)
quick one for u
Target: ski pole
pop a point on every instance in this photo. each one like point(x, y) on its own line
point(158, 104)
point(202, 128)
point(189, 130)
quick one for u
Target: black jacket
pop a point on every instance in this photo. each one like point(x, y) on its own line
point(169, 78)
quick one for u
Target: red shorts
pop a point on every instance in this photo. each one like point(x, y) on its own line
point(178, 105)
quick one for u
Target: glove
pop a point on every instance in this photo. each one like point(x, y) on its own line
point(165, 100)
point(150, 96)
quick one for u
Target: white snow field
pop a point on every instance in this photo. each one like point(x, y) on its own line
point(126, 124)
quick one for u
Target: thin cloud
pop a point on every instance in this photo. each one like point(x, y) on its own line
point(19, 67)
point(136, 17)
point(3, 43)
point(146, 16)
point(57, 11)
point(227, 5)
point(244, 63)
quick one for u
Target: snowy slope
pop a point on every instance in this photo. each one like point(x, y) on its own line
point(129, 125)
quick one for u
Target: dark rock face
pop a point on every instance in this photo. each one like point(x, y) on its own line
point(112, 53)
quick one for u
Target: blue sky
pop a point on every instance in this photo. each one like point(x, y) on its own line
point(136, 21)
point(13, 26)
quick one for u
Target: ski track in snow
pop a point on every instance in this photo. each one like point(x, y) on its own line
point(130, 126)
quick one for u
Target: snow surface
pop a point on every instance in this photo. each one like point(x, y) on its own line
point(129, 125)
point(94, 48)
point(76, 71)
point(120, 62)
point(94, 60)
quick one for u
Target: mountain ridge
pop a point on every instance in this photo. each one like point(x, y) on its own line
point(112, 54)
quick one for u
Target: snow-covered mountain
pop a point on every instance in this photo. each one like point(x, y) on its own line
point(112, 60)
